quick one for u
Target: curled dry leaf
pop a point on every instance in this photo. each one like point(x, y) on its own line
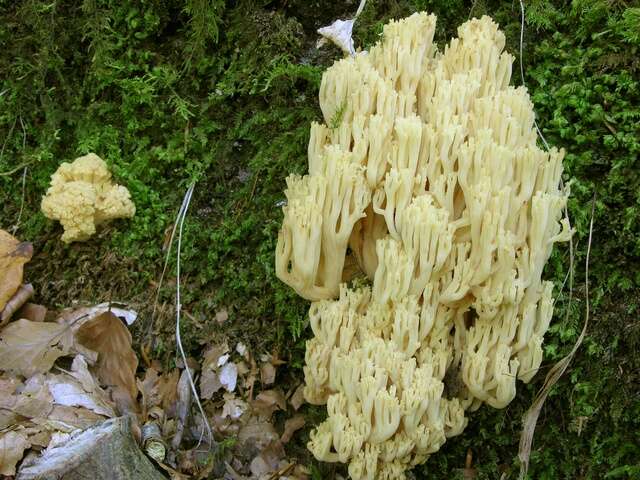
point(222, 316)
point(12, 447)
point(269, 460)
point(297, 399)
point(291, 426)
point(182, 412)
point(76, 317)
point(267, 373)
point(79, 389)
point(33, 400)
point(269, 401)
point(233, 407)
point(168, 391)
point(33, 312)
point(209, 384)
point(256, 434)
point(117, 362)
point(24, 293)
point(67, 419)
point(28, 348)
point(13, 255)
point(212, 355)
point(148, 387)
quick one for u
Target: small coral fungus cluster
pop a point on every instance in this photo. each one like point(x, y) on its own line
point(82, 196)
point(427, 176)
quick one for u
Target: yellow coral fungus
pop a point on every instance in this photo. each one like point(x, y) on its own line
point(428, 173)
point(82, 196)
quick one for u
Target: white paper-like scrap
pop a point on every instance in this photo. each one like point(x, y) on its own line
point(340, 32)
point(229, 376)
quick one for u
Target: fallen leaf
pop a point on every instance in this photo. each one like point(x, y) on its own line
point(243, 368)
point(168, 391)
point(209, 384)
point(291, 426)
point(12, 447)
point(39, 437)
point(33, 312)
point(268, 401)
point(27, 348)
point(183, 406)
point(34, 399)
point(117, 362)
point(8, 385)
point(191, 362)
point(222, 316)
point(19, 298)
point(229, 376)
point(267, 374)
point(297, 399)
point(79, 389)
point(8, 418)
point(149, 388)
point(78, 316)
point(213, 354)
point(13, 255)
point(257, 434)
point(260, 466)
point(233, 407)
point(269, 460)
point(67, 419)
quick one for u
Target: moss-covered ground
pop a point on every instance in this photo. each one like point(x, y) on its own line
point(172, 91)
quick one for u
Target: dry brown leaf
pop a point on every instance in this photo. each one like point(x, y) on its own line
point(117, 362)
point(40, 438)
point(267, 373)
point(27, 348)
point(149, 388)
point(68, 419)
point(12, 447)
point(257, 434)
point(268, 401)
point(13, 256)
point(34, 400)
point(79, 389)
point(8, 418)
point(33, 312)
point(222, 316)
point(270, 459)
point(291, 426)
point(297, 399)
point(209, 384)
point(233, 407)
point(243, 368)
point(24, 293)
point(168, 391)
point(212, 355)
point(8, 385)
point(77, 317)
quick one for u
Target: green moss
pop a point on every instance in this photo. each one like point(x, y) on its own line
point(171, 91)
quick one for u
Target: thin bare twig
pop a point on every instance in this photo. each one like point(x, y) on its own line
point(185, 207)
point(14, 170)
